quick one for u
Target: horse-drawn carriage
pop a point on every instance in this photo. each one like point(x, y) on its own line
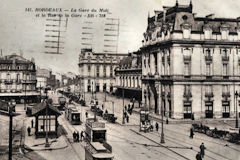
point(109, 117)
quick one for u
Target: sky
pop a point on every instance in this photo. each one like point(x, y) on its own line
point(23, 32)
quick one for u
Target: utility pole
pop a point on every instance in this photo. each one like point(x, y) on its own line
point(25, 97)
point(162, 133)
point(123, 119)
point(236, 96)
point(47, 143)
point(10, 132)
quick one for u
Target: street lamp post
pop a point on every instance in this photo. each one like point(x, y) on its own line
point(123, 120)
point(236, 96)
point(47, 143)
point(92, 90)
point(10, 131)
point(162, 133)
point(25, 96)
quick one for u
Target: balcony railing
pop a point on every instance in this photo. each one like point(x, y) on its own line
point(208, 58)
point(187, 94)
point(226, 94)
point(187, 58)
point(29, 81)
point(8, 81)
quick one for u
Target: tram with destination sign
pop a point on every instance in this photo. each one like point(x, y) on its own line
point(97, 148)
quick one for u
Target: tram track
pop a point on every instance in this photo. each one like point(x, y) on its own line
point(213, 142)
point(68, 140)
point(170, 138)
point(134, 142)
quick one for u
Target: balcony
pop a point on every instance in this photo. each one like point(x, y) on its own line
point(168, 59)
point(187, 94)
point(225, 58)
point(8, 81)
point(209, 94)
point(226, 94)
point(163, 94)
point(29, 81)
point(169, 95)
point(208, 58)
point(163, 59)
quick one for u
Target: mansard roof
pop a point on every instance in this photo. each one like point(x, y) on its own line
point(179, 14)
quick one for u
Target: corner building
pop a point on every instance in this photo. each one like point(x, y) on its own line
point(191, 65)
point(96, 70)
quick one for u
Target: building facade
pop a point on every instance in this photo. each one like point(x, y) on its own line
point(191, 65)
point(96, 70)
point(128, 76)
point(18, 79)
point(42, 77)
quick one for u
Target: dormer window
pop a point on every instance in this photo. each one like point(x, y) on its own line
point(186, 28)
point(207, 29)
point(238, 32)
point(224, 31)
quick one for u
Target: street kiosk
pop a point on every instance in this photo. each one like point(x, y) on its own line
point(145, 123)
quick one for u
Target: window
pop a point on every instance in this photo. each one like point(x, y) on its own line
point(97, 70)
point(208, 69)
point(209, 88)
point(111, 71)
point(207, 33)
point(104, 70)
point(8, 77)
point(187, 69)
point(89, 68)
point(225, 88)
point(224, 34)
point(187, 89)
point(225, 69)
point(18, 78)
point(88, 81)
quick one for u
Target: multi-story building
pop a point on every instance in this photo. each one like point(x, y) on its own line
point(42, 77)
point(96, 70)
point(191, 65)
point(128, 76)
point(17, 79)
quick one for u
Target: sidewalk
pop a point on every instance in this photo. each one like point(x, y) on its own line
point(227, 121)
point(38, 144)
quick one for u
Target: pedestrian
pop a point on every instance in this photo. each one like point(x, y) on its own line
point(32, 123)
point(128, 107)
point(77, 137)
point(202, 150)
point(125, 114)
point(29, 131)
point(82, 135)
point(198, 156)
point(86, 114)
point(102, 107)
point(157, 126)
point(74, 136)
point(125, 107)
point(191, 132)
point(127, 117)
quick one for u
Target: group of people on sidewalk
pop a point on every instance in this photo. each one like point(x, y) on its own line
point(127, 111)
point(76, 136)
